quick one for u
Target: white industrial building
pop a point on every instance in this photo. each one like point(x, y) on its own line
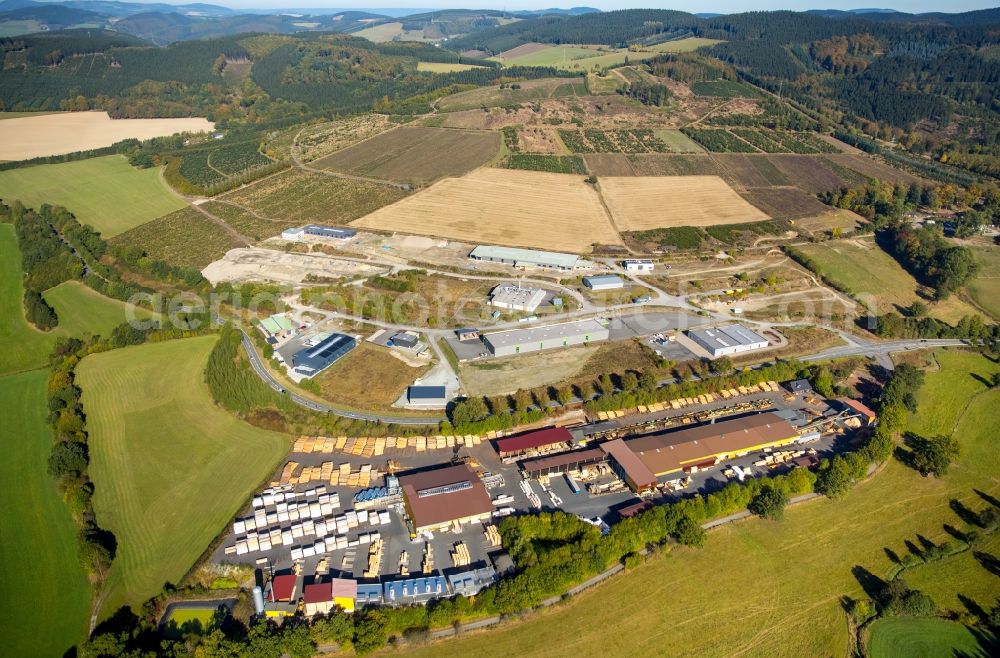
point(638, 265)
point(565, 334)
point(335, 232)
point(529, 258)
point(515, 298)
point(728, 339)
point(604, 282)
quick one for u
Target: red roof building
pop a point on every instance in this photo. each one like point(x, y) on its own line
point(438, 498)
point(518, 445)
point(861, 408)
point(283, 588)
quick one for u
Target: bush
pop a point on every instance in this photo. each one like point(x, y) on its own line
point(770, 503)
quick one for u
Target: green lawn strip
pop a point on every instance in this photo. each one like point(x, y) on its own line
point(25, 347)
point(170, 467)
point(84, 311)
point(45, 595)
point(107, 193)
point(915, 637)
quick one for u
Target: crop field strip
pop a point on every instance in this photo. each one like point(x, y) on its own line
point(107, 193)
point(314, 142)
point(506, 207)
point(633, 140)
point(150, 416)
point(795, 609)
point(185, 238)
point(213, 164)
point(415, 154)
point(637, 203)
point(297, 197)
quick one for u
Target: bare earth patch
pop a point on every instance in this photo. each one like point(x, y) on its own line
point(502, 206)
point(67, 132)
point(646, 202)
point(539, 140)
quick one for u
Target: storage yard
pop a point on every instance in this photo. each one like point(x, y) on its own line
point(409, 519)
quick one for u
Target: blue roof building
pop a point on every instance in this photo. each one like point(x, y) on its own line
point(415, 590)
point(311, 360)
point(369, 594)
point(427, 395)
point(330, 232)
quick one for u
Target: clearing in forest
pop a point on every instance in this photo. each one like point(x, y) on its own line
point(559, 212)
point(641, 203)
point(170, 467)
point(415, 154)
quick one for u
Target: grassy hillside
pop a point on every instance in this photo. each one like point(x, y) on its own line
point(771, 589)
point(45, 595)
point(25, 347)
point(170, 468)
point(84, 311)
point(106, 193)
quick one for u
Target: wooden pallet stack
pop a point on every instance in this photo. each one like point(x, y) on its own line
point(428, 564)
point(374, 559)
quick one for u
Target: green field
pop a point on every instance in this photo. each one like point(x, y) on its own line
point(84, 311)
point(14, 28)
point(169, 466)
point(876, 279)
point(985, 288)
point(678, 142)
point(26, 347)
point(589, 57)
point(554, 56)
point(960, 574)
point(769, 589)
point(106, 193)
point(913, 637)
point(45, 595)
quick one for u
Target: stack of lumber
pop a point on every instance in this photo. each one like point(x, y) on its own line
point(460, 555)
point(492, 535)
point(374, 559)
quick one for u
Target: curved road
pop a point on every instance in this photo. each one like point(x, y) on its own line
point(263, 373)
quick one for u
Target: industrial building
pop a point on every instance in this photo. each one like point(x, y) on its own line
point(529, 258)
point(277, 328)
point(604, 282)
point(443, 497)
point(638, 265)
point(415, 590)
point(311, 360)
point(860, 409)
point(563, 462)
point(404, 339)
point(470, 583)
point(517, 341)
point(728, 339)
point(515, 298)
point(334, 232)
point(628, 466)
point(426, 396)
point(323, 597)
point(706, 445)
point(467, 334)
point(550, 438)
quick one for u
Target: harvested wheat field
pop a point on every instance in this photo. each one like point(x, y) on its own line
point(506, 207)
point(640, 203)
point(66, 132)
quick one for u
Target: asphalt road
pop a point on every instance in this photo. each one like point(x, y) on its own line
point(263, 373)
